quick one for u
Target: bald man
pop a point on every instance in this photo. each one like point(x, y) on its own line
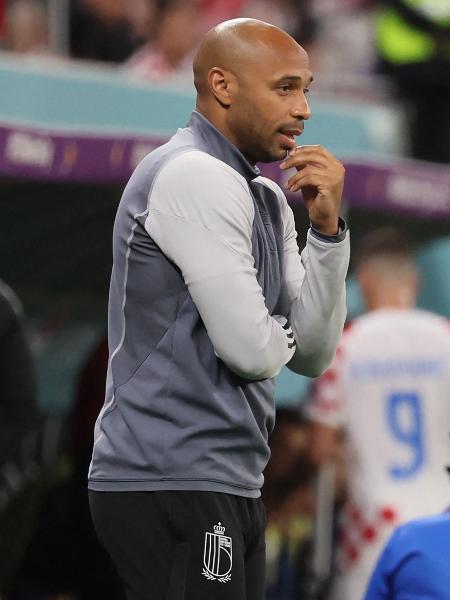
point(209, 298)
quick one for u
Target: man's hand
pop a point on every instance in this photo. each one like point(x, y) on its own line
point(320, 177)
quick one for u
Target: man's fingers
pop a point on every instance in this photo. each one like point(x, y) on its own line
point(309, 176)
point(304, 172)
point(303, 155)
point(301, 158)
point(311, 147)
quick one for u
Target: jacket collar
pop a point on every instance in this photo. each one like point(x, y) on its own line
point(216, 144)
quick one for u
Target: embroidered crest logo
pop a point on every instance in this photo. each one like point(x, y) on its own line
point(217, 555)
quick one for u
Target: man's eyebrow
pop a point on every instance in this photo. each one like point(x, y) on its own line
point(294, 78)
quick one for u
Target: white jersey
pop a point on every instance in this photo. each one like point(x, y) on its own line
point(389, 390)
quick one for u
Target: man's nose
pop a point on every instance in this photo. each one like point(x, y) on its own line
point(301, 110)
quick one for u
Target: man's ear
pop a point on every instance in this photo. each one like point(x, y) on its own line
point(222, 84)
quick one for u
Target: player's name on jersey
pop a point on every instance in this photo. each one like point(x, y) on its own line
point(373, 368)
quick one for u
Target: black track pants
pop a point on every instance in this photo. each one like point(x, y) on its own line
point(183, 545)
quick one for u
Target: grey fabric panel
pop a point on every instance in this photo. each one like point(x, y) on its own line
point(268, 244)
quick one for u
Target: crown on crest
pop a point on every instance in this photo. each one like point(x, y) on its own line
point(219, 529)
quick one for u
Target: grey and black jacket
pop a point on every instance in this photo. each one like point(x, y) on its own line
point(209, 298)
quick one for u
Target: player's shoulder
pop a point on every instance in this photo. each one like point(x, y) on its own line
point(410, 324)
point(418, 530)
point(192, 166)
point(378, 320)
point(373, 319)
point(428, 325)
point(431, 319)
point(196, 186)
point(363, 332)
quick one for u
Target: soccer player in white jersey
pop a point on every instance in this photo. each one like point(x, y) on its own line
point(388, 390)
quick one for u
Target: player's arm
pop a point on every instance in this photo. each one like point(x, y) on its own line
point(315, 281)
point(315, 286)
point(201, 216)
point(313, 292)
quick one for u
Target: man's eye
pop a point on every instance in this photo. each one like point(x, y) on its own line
point(285, 88)
point(306, 90)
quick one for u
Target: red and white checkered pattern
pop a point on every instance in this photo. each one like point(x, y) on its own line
point(358, 533)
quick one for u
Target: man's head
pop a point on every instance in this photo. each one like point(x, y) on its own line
point(251, 80)
point(386, 271)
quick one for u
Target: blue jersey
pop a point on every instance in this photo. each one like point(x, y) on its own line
point(415, 563)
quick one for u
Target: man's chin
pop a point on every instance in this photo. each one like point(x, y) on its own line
point(274, 155)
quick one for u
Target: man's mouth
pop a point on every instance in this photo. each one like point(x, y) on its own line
point(289, 134)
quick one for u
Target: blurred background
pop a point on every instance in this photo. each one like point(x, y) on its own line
point(87, 89)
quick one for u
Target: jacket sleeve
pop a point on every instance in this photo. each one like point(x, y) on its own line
point(200, 214)
point(314, 289)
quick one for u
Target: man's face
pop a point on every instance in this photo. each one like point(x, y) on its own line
point(270, 105)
